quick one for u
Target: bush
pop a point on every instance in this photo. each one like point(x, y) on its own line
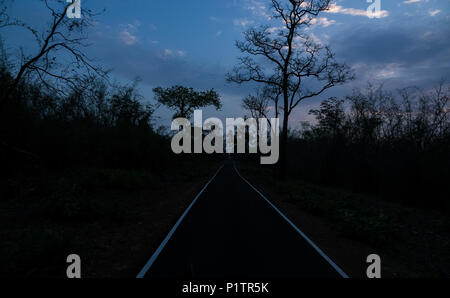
point(397, 148)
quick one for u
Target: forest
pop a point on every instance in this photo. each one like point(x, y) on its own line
point(85, 154)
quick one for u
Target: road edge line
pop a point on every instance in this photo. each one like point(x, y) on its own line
point(328, 259)
point(155, 255)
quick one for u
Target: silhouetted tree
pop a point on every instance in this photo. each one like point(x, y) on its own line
point(331, 117)
point(377, 142)
point(257, 105)
point(295, 60)
point(185, 100)
point(127, 108)
point(59, 63)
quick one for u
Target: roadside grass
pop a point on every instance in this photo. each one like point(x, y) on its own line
point(414, 238)
point(26, 250)
point(88, 194)
point(97, 213)
point(356, 215)
point(40, 221)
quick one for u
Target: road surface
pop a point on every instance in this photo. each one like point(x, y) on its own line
point(232, 231)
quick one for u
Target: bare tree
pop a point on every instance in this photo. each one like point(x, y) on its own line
point(257, 105)
point(293, 63)
point(5, 20)
point(59, 63)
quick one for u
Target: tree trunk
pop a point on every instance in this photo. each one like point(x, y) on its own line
point(284, 136)
point(283, 147)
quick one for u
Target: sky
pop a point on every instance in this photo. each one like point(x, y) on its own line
point(192, 43)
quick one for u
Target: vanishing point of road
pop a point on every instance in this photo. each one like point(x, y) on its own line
point(232, 231)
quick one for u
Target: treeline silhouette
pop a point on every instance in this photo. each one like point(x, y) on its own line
point(104, 125)
point(393, 145)
point(82, 162)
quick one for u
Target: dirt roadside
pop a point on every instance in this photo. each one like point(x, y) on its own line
point(410, 259)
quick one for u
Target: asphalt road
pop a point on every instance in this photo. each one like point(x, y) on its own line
point(231, 231)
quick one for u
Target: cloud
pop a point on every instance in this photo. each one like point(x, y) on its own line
point(258, 8)
point(164, 66)
point(242, 22)
point(215, 19)
point(274, 29)
point(128, 34)
point(411, 1)
point(127, 38)
point(334, 8)
point(434, 12)
point(324, 22)
point(389, 71)
point(403, 54)
point(173, 53)
point(219, 33)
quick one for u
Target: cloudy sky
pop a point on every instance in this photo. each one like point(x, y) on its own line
point(191, 42)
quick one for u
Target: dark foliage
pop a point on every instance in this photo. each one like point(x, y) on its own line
point(396, 147)
point(102, 126)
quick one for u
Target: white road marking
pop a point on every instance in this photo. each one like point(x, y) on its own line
point(163, 244)
point(336, 267)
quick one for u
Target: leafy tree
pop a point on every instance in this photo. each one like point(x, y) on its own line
point(127, 109)
point(331, 117)
point(185, 100)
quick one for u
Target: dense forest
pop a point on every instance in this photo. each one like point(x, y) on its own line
point(395, 145)
point(104, 125)
point(391, 144)
point(87, 161)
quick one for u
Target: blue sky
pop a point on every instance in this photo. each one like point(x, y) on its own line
point(191, 42)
